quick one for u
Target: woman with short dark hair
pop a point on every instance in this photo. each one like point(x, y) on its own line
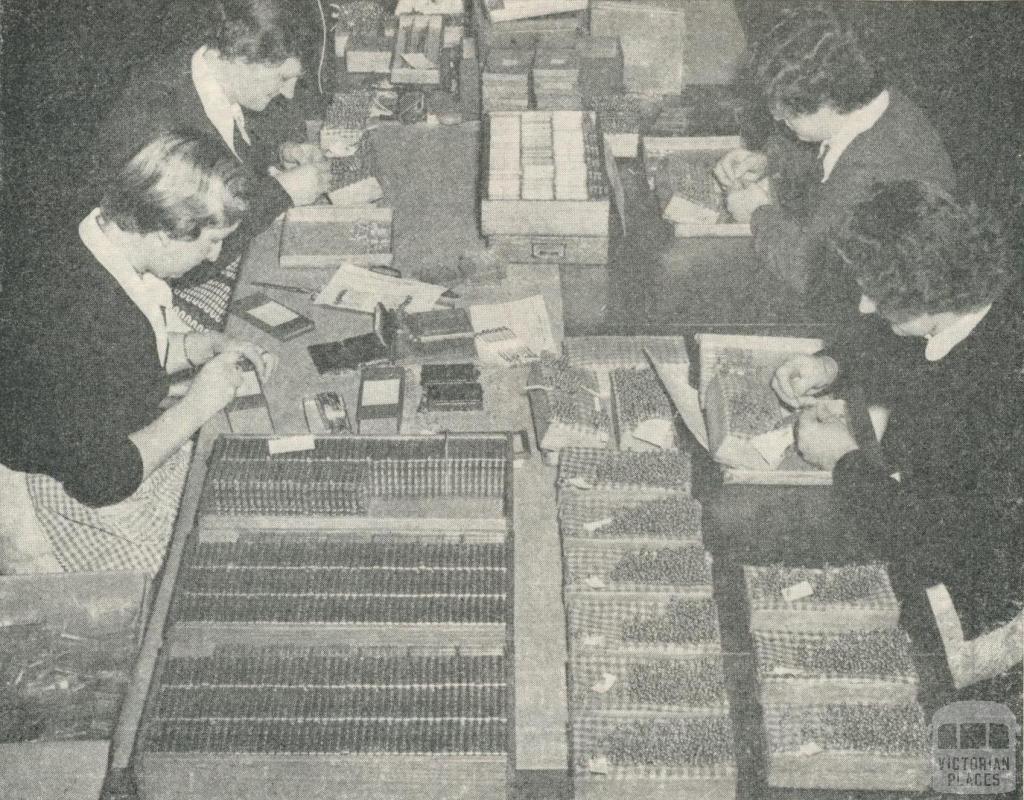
point(853, 130)
point(90, 466)
point(252, 54)
point(946, 502)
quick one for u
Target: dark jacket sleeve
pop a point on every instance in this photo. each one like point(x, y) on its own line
point(968, 532)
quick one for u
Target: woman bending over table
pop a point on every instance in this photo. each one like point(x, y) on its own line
point(945, 504)
point(848, 129)
point(91, 467)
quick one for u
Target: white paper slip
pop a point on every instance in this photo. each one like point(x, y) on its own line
point(599, 765)
point(580, 483)
point(353, 288)
point(679, 209)
point(595, 582)
point(786, 671)
point(597, 524)
point(676, 380)
point(381, 393)
point(291, 444)
point(368, 190)
point(417, 61)
point(809, 749)
point(603, 686)
point(772, 446)
point(272, 313)
point(798, 591)
point(528, 321)
point(593, 640)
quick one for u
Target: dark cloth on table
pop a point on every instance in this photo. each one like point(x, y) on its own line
point(955, 436)
point(160, 96)
point(80, 371)
point(790, 237)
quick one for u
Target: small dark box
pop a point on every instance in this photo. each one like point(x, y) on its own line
point(453, 397)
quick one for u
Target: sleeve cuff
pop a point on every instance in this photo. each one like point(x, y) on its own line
point(108, 475)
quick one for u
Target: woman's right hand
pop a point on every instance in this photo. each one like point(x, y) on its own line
point(802, 377)
point(215, 385)
point(740, 168)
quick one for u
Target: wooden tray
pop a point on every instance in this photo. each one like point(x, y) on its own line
point(715, 780)
point(590, 688)
point(590, 565)
point(784, 678)
point(326, 236)
point(800, 755)
point(873, 608)
point(584, 514)
point(595, 624)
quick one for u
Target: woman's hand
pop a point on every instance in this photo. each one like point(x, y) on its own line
point(292, 154)
point(802, 377)
point(823, 442)
point(202, 347)
point(304, 183)
point(740, 168)
point(215, 385)
point(742, 203)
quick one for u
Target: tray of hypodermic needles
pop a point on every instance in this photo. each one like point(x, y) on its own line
point(299, 721)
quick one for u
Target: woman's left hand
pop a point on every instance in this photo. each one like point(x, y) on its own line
point(823, 443)
point(201, 347)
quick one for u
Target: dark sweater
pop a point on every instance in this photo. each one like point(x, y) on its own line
point(159, 97)
point(956, 437)
point(80, 373)
point(790, 237)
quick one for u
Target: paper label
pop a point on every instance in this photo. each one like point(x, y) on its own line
point(603, 686)
point(798, 591)
point(597, 524)
point(417, 61)
point(381, 393)
point(599, 765)
point(272, 313)
point(809, 749)
point(580, 483)
point(291, 444)
point(595, 582)
point(594, 640)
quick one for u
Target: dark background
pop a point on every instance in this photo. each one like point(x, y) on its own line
point(64, 61)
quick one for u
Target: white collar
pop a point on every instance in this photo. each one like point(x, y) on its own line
point(941, 343)
point(150, 294)
point(853, 125)
point(224, 114)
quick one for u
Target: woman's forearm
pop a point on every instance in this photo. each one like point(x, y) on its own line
point(165, 435)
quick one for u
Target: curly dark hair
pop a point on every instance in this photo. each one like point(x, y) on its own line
point(811, 59)
point(261, 31)
point(914, 250)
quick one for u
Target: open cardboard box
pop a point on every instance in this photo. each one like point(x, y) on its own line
point(742, 459)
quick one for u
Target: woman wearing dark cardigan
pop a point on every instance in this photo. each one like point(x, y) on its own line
point(229, 88)
point(852, 129)
point(945, 504)
point(91, 467)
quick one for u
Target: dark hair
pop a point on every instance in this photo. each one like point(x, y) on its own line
point(180, 184)
point(810, 59)
point(914, 250)
point(260, 31)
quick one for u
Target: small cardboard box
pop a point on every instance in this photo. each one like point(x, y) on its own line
point(324, 236)
point(658, 155)
point(653, 37)
point(381, 395)
point(744, 456)
point(417, 55)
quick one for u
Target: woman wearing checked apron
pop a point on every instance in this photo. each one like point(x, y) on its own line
point(91, 466)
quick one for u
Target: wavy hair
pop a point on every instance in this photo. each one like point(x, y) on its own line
point(811, 59)
point(179, 183)
point(260, 31)
point(914, 250)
